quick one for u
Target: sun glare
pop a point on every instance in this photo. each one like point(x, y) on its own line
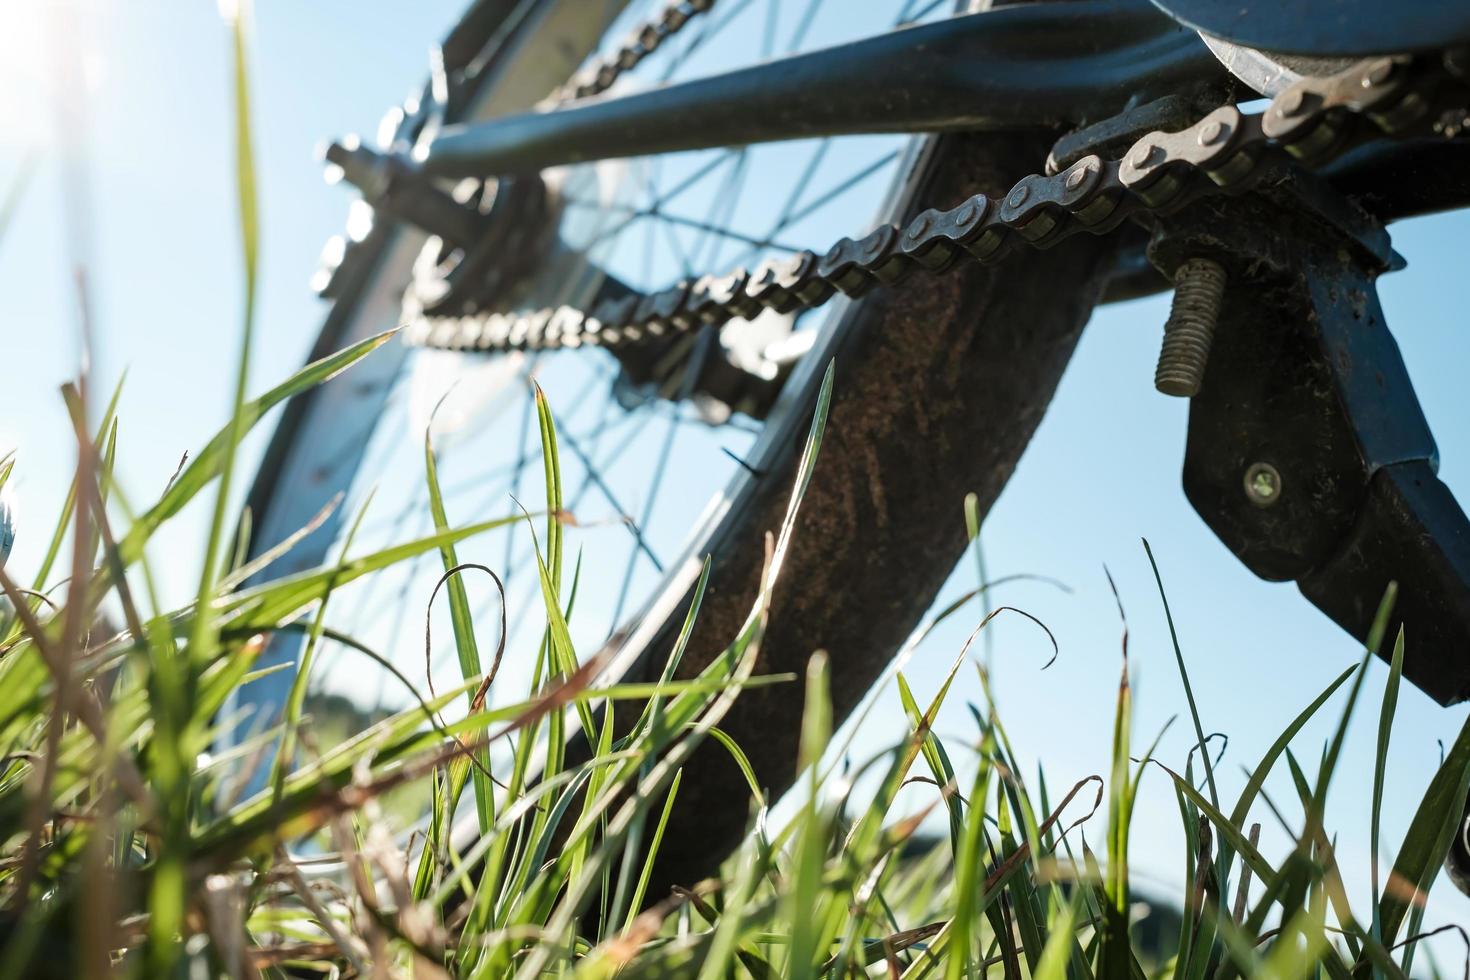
point(33, 89)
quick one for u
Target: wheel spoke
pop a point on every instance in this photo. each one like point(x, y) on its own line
point(574, 502)
point(724, 204)
point(838, 190)
point(908, 18)
point(625, 518)
point(768, 41)
point(821, 201)
point(706, 226)
point(805, 24)
point(656, 208)
point(645, 223)
point(692, 367)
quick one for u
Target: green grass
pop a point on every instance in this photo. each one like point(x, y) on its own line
point(124, 849)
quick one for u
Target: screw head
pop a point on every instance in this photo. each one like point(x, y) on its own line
point(1077, 177)
point(1290, 102)
point(966, 213)
point(1263, 484)
point(1211, 133)
point(1377, 74)
point(919, 225)
point(1142, 155)
point(1018, 195)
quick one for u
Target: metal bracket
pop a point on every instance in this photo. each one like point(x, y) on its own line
point(1308, 453)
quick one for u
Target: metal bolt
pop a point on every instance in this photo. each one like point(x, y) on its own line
point(1211, 133)
point(1263, 484)
point(965, 213)
point(1199, 286)
point(919, 226)
point(1142, 155)
point(1290, 102)
point(1377, 73)
point(1078, 175)
point(1018, 196)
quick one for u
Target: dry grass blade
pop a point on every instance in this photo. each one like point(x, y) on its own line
point(1452, 927)
point(355, 796)
point(997, 876)
point(891, 945)
point(477, 699)
point(346, 945)
point(1242, 893)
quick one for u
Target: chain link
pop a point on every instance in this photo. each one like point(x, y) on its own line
point(599, 75)
point(1316, 120)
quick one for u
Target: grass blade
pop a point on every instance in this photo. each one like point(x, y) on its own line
point(1428, 838)
point(468, 651)
point(210, 460)
point(178, 738)
point(1199, 729)
point(1380, 769)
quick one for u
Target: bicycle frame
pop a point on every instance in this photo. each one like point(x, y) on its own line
point(1053, 64)
point(1022, 67)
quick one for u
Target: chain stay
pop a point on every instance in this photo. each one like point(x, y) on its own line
point(1314, 121)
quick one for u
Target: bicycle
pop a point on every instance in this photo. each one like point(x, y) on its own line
point(494, 226)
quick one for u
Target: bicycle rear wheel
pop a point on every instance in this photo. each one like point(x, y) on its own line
point(939, 385)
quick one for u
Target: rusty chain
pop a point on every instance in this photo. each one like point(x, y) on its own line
point(1314, 121)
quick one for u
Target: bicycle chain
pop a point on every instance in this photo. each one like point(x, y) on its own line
point(1311, 123)
point(599, 75)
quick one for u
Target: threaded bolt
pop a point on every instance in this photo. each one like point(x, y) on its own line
point(1199, 286)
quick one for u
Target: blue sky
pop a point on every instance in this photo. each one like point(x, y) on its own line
point(1102, 472)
